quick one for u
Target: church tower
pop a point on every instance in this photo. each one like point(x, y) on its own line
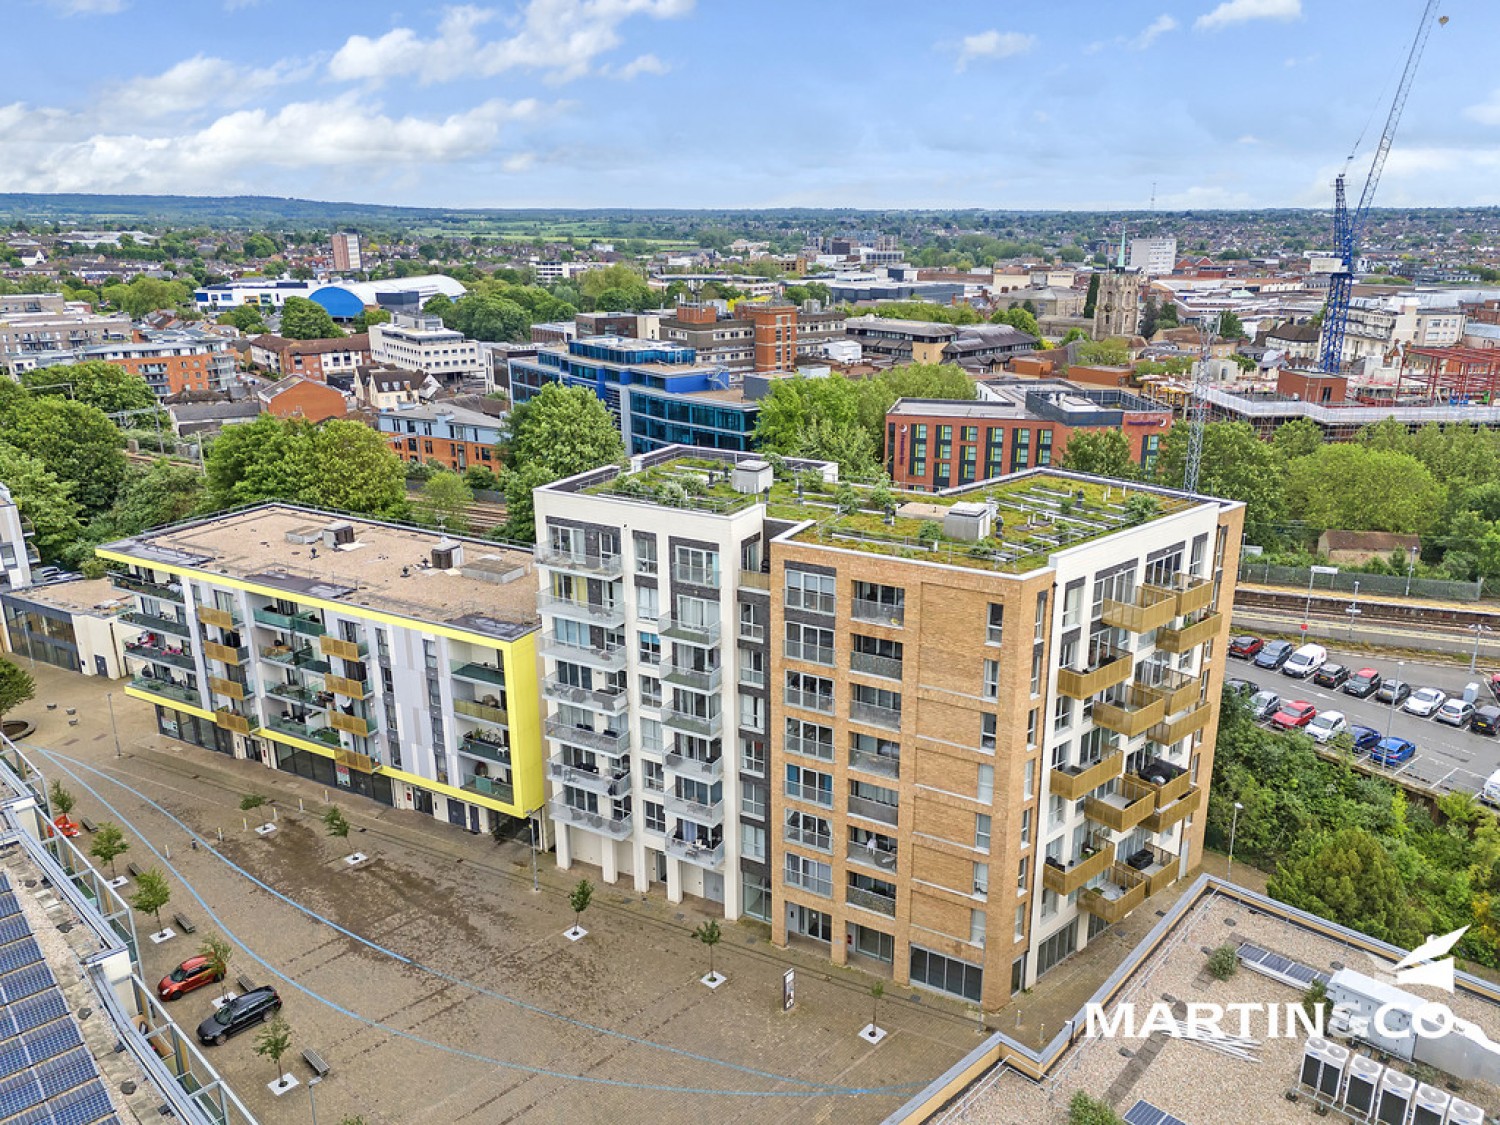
point(1117, 312)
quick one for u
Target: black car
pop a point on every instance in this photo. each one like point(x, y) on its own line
point(1332, 675)
point(1363, 683)
point(1242, 688)
point(1274, 655)
point(255, 1006)
point(1394, 692)
point(1486, 720)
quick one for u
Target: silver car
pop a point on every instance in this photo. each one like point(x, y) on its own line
point(1264, 704)
point(1326, 724)
point(1425, 701)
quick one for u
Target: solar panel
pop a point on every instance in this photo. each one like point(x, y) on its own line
point(66, 1072)
point(52, 1039)
point(25, 982)
point(8, 903)
point(13, 929)
point(1275, 965)
point(34, 1011)
point(17, 954)
point(83, 1107)
point(1144, 1113)
point(19, 1093)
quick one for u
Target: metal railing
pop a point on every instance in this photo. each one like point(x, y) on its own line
point(610, 656)
point(809, 747)
point(608, 613)
point(699, 855)
point(873, 810)
point(585, 562)
point(696, 633)
point(875, 714)
point(705, 726)
point(483, 673)
point(870, 900)
point(150, 589)
point(698, 679)
point(168, 690)
point(818, 841)
point(158, 655)
point(700, 768)
point(605, 741)
point(611, 699)
point(812, 654)
point(879, 613)
point(157, 623)
point(872, 665)
point(809, 700)
point(882, 764)
point(490, 787)
point(484, 712)
point(474, 746)
point(696, 811)
point(615, 827)
point(812, 794)
point(707, 576)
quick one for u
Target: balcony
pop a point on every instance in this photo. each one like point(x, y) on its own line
point(308, 733)
point(1107, 668)
point(697, 768)
point(344, 650)
point(1158, 865)
point(609, 783)
point(491, 750)
point(1124, 808)
point(1073, 782)
point(1178, 691)
point(226, 654)
point(354, 760)
point(608, 614)
point(309, 624)
point(704, 633)
point(299, 694)
point(227, 688)
point(610, 658)
point(812, 794)
point(870, 900)
point(303, 658)
point(1189, 594)
point(878, 613)
point(704, 726)
point(616, 828)
point(348, 688)
point(1189, 636)
point(809, 701)
point(809, 747)
point(873, 810)
point(135, 585)
point(875, 715)
point(610, 742)
point(1135, 715)
point(699, 855)
point(1097, 857)
point(612, 700)
point(219, 618)
point(479, 673)
point(871, 855)
point(869, 664)
point(695, 679)
point(493, 788)
point(696, 811)
point(1165, 818)
point(351, 724)
point(609, 567)
point(1152, 608)
point(885, 765)
point(158, 655)
point(235, 721)
point(483, 712)
point(1174, 731)
point(755, 580)
point(810, 654)
point(168, 690)
point(158, 624)
point(1125, 890)
point(705, 576)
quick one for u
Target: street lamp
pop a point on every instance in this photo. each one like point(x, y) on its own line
point(1233, 825)
point(531, 822)
point(1391, 714)
point(312, 1099)
point(1478, 630)
point(110, 697)
point(1412, 566)
point(1312, 576)
point(1353, 610)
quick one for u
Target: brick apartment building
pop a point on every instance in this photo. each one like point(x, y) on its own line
point(312, 359)
point(297, 396)
point(442, 434)
point(771, 336)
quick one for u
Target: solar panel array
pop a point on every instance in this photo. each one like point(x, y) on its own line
point(47, 1075)
point(1274, 964)
point(1144, 1113)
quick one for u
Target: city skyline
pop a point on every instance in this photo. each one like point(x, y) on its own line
point(591, 103)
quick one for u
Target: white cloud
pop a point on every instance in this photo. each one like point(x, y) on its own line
point(560, 37)
point(993, 44)
point(1248, 139)
point(236, 5)
point(191, 85)
point(1486, 112)
point(1152, 32)
point(89, 7)
point(645, 64)
point(1243, 11)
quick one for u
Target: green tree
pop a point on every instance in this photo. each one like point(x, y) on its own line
point(146, 295)
point(152, 496)
point(1224, 962)
point(710, 935)
point(216, 951)
point(112, 389)
point(60, 799)
point(335, 821)
point(16, 686)
point(1086, 1110)
point(1072, 334)
point(337, 464)
point(445, 501)
point(247, 318)
point(1020, 319)
point(1104, 353)
point(1298, 438)
point(925, 310)
point(1091, 300)
point(274, 1041)
point(76, 442)
point(1104, 453)
point(370, 316)
point(1230, 327)
point(579, 899)
point(44, 500)
point(1354, 488)
point(304, 319)
point(258, 246)
point(108, 845)
point(1236, 465)
point(354, 470)
point(151, 894)
point(563, 430)
point(1349, 877)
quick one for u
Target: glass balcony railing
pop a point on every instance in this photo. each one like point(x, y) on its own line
point(491, 750)
point(157, 654)
point(479, 673)
point(490, 787)
point(168, 690)
point(158, 624)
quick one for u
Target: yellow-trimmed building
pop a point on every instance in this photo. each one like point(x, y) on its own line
point(381, 660)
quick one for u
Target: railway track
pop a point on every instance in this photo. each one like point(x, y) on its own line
point(1424, 615)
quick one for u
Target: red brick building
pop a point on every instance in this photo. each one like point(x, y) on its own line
point(300, 397)
point(312, 359)
point(1020, 424)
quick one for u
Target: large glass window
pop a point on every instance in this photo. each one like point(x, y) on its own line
point(946, 974)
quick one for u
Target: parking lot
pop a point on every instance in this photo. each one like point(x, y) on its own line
point(1446, 758)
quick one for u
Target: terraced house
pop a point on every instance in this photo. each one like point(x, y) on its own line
point(384, 661)
point(952, 737)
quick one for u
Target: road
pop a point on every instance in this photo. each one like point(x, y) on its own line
point(1446, 757)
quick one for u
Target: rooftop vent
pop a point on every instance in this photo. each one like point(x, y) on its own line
point(494, 568)
point(752, 477)
point(968, 522)
point(338, 534)
point(305, 535)
point(447, 554)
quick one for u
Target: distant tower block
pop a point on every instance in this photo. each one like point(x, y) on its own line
point(1118, 309)
point(348, 255)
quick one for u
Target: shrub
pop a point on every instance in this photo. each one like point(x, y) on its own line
point(1224, 962)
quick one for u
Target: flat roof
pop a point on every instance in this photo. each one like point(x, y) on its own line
point(83, 595)
point(386, 570)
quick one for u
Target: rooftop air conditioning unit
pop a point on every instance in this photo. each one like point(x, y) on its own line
point(1464, 1113)
point(1362, 1083)
point(339, 534)
point(1431, 1106)
point(967, 521)
point(752, 477)
point(1323, 1066)
point(447, 554)
point(1394, 1101)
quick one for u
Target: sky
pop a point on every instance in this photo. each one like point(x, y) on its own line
point(1005, 104)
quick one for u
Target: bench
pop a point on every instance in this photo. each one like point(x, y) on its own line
point(315, 1060)
point(88, 825)
point(135, 870)
point(244, 982)
point(183, 924)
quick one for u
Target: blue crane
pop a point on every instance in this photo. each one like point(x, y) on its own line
point(1346, 225)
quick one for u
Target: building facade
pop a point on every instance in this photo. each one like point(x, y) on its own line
point(608, 364)
point(713, 419)
point(18, 554)
point(74, 626)
point(172, 362)
point(1117, 311)
point(348, 256)
point(298, 397)
point(1153, 255)
point(383, 661)
point(421, 343)
point(29, 340)
point(446, 435)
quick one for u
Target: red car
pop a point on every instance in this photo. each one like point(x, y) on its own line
point(68, 828)
point(192, 974)
point(1294, 714)
point(1243, 648)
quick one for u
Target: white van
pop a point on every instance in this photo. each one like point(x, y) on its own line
point(1304, 662)
point(1490, 794)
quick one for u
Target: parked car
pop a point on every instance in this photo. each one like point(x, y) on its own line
point(192, 974)
point(1264, 704)
point(1363, 683)
point(1424, 702)
point(1489, 793)
point(1365, 738)
point(256, 1006)
point(1245, 647)
point(1393, 751)
point(1294, 715)
point(1331, 676)
point(1274, 655)
point(1326, 724)
point(1305, 661)
point(1455, 712)
point(1486, 720)
point(1239, 687)
point(1394, 692)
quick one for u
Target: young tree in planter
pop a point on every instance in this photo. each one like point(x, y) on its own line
point(274, 1041)
point(216, 951)
point(335, 822)
point(578, 899)
point(61, 800)
point(710, 935)
point(109, 843)
point(151, 894)
point(877, 990)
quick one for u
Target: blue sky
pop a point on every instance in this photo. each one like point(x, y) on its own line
point(672, 103)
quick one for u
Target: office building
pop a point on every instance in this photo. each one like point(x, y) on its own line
point(1153, 255)
point(381, 660)
point(759, 336)
point(419, 342)
point(716, 418)
point(958, 740)
point(607, 364)
point(73, 625)
point(442, 434)
point(348, 256)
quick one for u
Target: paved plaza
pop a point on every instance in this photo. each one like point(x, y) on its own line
point(439, 987)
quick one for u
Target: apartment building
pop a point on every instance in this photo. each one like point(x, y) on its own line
point(312, 359)
point(953, 742)
point(18, 554)
point(421, 343)
point(172, 361)
point(383, 661)
point(442, 434)
point(29, 340)
point(760, 336)
point(348, 255)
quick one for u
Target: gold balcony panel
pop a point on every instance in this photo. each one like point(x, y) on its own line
point(1138, 714)
point(1113, 909)
point(1122, 810)
point(220, 686)
point(1071, 786)
point(210, 615)
point(1169, 733)
point(1161, 820)
point(1152, 608)
point(1082, 685)
point(1189, 636)
point(1066, 880)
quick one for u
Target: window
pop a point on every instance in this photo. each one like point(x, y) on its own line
point(981, 878)
point(752, 712)
point(753, 755)
point(812, 592)
point(986, 789)
point(656, 816)
point(1073, 606)
point(809, 739)
point(1021, 921)
point(808, 830)
point(982, 831)
point(1031, 728)
point(815, 693)
point(1041, 617)
point(651, 738)
point(753, 841)
point(809, 785)
point(1023, 870)
point(809, 643)
point(647, 603)
point(809, 874)
point(883, 604)
point(946, 974)
point(1025, 828)
point(752, 667)
point(1062, 713)
point(876, 706)
point(1036, 670)
point(991, 679)
point(696, 566)
point(650, 648)
point(753, 799)
point(652, 776)
point(645, 552)
point(650, 691)
point(995, 632)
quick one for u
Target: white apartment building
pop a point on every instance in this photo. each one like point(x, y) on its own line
point(17, 553)
point(1153, 255)
point(1380, 326)
point(29, 340)
point(421, 343)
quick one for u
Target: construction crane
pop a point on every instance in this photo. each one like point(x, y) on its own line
point(1346, 224)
